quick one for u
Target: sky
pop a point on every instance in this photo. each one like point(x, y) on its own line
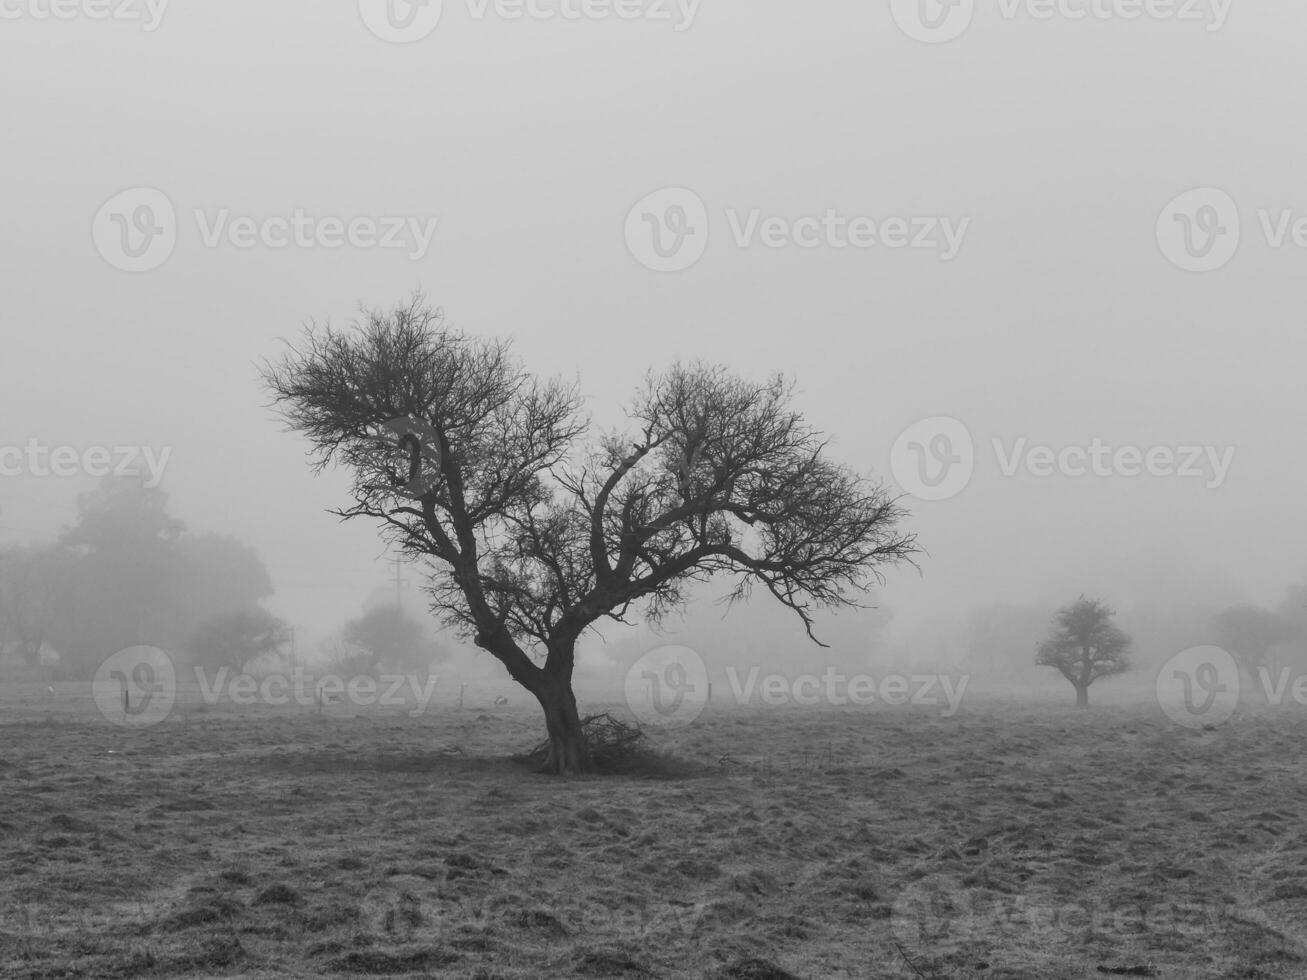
point(1071, 225)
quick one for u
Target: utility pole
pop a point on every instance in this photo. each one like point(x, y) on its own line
point(399, 581)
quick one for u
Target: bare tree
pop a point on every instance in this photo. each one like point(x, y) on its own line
point(477, 467)
point(1085, 645)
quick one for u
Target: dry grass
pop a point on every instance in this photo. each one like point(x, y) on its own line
point(1004, 842)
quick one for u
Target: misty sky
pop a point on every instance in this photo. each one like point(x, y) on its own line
point(1059, 320)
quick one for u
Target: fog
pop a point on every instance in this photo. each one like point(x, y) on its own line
point(1049, 149)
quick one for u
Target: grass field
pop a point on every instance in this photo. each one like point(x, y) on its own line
point(1006, 841)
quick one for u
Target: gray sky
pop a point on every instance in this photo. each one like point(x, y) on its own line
point(1063, 317)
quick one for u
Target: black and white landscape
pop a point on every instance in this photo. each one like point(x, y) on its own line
point(503, 489)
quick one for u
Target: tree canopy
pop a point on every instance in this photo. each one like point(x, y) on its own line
point(1085, 645)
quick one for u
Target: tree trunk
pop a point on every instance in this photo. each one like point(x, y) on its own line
point(1082, 696)
point(569, 754)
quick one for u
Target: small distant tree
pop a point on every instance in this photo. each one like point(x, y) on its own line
point(390, 637)
point(234, 639)
point(33, 593)
point(1085, 645)
point(1293, 613)
point(344, 659)
point(1250, 633)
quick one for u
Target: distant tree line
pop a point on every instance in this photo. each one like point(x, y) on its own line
point(127, 573)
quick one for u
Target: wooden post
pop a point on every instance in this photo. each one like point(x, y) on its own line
point(460, 696)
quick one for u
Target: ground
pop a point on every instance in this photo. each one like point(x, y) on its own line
point(1007, 841)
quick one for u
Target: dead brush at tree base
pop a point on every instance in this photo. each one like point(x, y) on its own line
point(619, 749)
